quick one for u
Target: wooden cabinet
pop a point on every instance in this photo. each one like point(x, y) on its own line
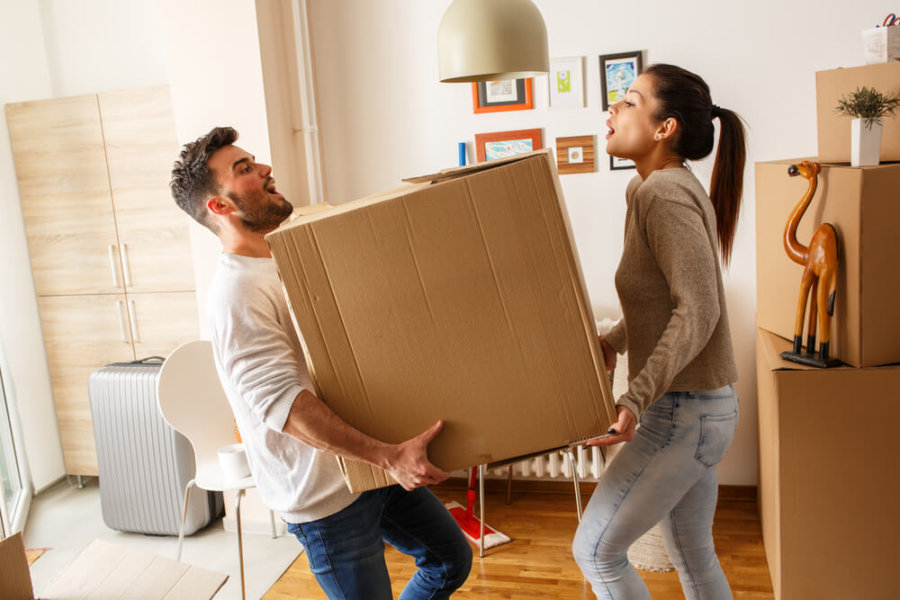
point(109, 249)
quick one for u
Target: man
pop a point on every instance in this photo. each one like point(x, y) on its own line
point(291, 436)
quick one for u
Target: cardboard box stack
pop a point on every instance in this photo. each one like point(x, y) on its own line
point(827, 489)
point(456, 297)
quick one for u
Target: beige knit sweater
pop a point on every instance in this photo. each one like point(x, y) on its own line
point(674, 324)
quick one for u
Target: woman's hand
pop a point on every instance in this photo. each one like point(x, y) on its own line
point(620, 431)
point(609, 354)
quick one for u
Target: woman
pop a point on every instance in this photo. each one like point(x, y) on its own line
point(675, 330)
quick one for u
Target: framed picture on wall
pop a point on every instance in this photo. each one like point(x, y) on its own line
point(575, 154)
point(500, 144)
point(566, 82)
point(617, 73)
point(618, 164)
point(496, 96)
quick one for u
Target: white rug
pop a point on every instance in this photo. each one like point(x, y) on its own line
point(65, 519)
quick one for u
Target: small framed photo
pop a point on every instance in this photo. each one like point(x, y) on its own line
point(617, 73)
point(496, 96)
point(619, 164)
point(500, 144)
point(575, 154)
point(566, 82)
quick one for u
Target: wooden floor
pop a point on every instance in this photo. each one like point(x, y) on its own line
point(538, 562)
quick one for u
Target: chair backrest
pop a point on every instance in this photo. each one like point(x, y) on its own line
point(193, 402)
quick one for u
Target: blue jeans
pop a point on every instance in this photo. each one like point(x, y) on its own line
point(346, 550)
point(666, 475)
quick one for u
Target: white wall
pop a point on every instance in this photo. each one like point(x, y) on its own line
point(55, 48)
point(21, 37)
point(385, 116)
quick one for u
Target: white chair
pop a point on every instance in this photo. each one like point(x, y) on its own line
point(193, 402)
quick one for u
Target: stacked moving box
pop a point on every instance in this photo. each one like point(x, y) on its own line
point(828, 442)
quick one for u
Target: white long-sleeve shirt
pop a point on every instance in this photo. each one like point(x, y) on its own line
point(260, 363)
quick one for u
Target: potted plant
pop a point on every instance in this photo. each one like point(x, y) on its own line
point(868, 107)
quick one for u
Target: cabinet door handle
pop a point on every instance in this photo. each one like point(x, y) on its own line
point(112, 265)
point(132, 311)
point(121, 321)
point(123, 253)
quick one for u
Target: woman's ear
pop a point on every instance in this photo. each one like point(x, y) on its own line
point(666, 129)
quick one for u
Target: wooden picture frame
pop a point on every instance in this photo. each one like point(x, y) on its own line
point(500, 144)
point(617, 73)
point(575, 154)
point(496, 96)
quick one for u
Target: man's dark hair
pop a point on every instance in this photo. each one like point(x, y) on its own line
point(192, 180)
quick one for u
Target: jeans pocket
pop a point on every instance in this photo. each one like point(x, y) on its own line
point(716, 434)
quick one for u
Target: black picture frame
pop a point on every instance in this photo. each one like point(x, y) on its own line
point(620, 164)
point(521, 99)
point(617, 72)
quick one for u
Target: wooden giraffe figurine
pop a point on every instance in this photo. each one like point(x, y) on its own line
point(819, 280)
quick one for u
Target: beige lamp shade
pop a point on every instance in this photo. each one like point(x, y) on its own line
point(488, 40)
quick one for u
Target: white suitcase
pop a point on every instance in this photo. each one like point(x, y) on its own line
point(144, 464)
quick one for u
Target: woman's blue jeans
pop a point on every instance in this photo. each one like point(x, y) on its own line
point(666, 475)
point(346, 550)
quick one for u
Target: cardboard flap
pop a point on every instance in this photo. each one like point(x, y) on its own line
point(15, 584)
point(104, 570)
point(772, 347)
point(454, 172)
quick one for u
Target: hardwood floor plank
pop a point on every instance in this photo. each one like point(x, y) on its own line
point(538, 562)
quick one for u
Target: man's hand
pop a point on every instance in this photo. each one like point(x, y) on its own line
point(408, 463)
point(620, 431)
point(609, 354)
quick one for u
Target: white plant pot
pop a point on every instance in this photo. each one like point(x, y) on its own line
point(865, 144)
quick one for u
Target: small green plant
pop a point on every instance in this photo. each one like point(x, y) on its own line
point(868, 104)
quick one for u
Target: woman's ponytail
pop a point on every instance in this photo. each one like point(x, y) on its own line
point(727, 184)
point(685, 97)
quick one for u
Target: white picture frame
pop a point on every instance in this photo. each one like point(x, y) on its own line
point(565, 82)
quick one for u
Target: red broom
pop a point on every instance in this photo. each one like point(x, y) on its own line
point(470, 526)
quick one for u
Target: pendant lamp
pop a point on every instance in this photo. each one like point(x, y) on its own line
point(488, 40)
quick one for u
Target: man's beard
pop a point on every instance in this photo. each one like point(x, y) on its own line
point(261, 216)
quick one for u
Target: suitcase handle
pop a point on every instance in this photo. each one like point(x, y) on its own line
point(148, 360)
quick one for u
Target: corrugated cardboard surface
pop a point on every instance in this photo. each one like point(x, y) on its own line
point(828, 486)
point(15, 576)
point(864, 206)
point(460, 300)
point(834, 129)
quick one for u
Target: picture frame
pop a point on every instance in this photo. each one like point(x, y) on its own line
point(503, 95)
point(575, 154)
point(620, 164)
point(565, 82)
point(617, 73)
point(500, 144)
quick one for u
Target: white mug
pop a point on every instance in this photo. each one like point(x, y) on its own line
point(233, 460)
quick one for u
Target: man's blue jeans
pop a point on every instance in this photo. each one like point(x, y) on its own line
point(346, 550)
point(666, 475)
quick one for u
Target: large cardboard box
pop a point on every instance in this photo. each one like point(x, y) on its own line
point(828, 485)
point(864, 206)
point(456, 297)
point(834, 129)
point(102, 571)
